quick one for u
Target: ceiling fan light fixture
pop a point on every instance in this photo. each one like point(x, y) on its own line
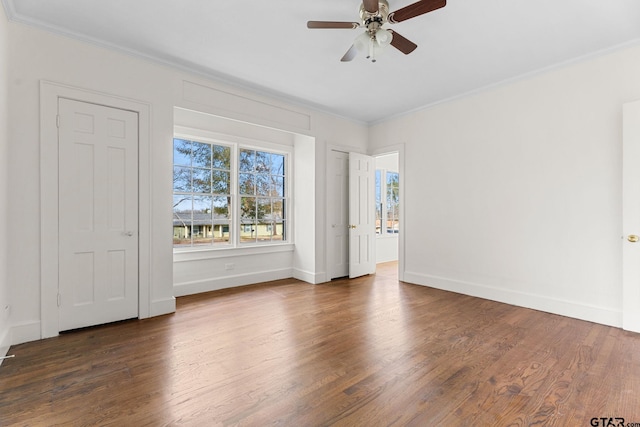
point(383, 37)
point(373, 43)
point(362, 42)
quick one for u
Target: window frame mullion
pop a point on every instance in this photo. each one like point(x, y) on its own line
point(235, 196)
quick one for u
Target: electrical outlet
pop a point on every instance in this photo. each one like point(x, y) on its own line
point(229, 266)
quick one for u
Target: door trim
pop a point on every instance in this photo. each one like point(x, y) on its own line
point(49, 94)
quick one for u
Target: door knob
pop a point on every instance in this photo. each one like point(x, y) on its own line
point(127, 233)
point(633, 238)
point(353, 226)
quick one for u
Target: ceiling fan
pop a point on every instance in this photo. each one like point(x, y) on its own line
point(373, 15)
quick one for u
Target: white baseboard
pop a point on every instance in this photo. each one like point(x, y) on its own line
point(163, 306)
point(591, 313)
point(308, 276)
point(631, 322)
point(217, 283)
point(25, 332)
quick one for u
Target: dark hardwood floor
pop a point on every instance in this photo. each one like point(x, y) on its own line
point(363, 352)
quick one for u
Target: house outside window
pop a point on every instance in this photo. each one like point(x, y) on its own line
point(387, 202)
point(226, 195)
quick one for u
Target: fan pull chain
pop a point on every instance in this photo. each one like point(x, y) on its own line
point(372, 51)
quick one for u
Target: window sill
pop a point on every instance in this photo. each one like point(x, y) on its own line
point(197, 254)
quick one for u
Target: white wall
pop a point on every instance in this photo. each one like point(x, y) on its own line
point(4, 199)
point(36, 55)
point(305, 208)
point(514, 193)
point(387, 244)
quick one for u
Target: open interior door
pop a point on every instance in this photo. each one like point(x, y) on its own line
point(631, 218)
point(362, 229)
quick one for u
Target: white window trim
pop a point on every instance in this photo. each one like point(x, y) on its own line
point(237, 142)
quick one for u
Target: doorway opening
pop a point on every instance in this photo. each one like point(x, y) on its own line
point(387, 201)
point(344, 242)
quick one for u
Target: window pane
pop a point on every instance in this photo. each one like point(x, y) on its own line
point(378, 187)
point(201, 155)
point(277, 185)
point(263, 185)
point(248, 233)
point(182, 209)
point(181, 179)
point(221, 157)
point(181, 152)
point(221, 220)
point(201, 180)
point(202, 220)
point(221, 208)
point(246, 184)
point(393, 195)
point(277, 164)
point(278, 231)
point(392, 179)
point(248, 208)
point(220, 182)
point(263, 162)
point(203, 205)
point(263, 231)
point(264, 209)
point(247, 160)
point(278, 209)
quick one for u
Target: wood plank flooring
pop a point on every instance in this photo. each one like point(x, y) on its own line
point(364, 352)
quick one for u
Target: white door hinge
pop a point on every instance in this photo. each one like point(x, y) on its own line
point(59, 298)
point(58, 121)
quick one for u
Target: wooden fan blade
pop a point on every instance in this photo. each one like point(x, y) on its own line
point(351, 53)
point(416, 9)
point(333, 24)
point(370, 6)
point(403, 44)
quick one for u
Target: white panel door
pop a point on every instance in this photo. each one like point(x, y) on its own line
point(362, 230)
point(631, 218)
point(339, 214)
point(98, 214)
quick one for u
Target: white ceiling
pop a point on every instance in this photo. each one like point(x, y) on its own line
point(265, 45)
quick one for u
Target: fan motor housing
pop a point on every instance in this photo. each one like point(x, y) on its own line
point(377, 19)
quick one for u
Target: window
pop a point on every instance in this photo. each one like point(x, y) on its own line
point(262, 191)
point(393, 201)
point(207, 202)
point(387, 202)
